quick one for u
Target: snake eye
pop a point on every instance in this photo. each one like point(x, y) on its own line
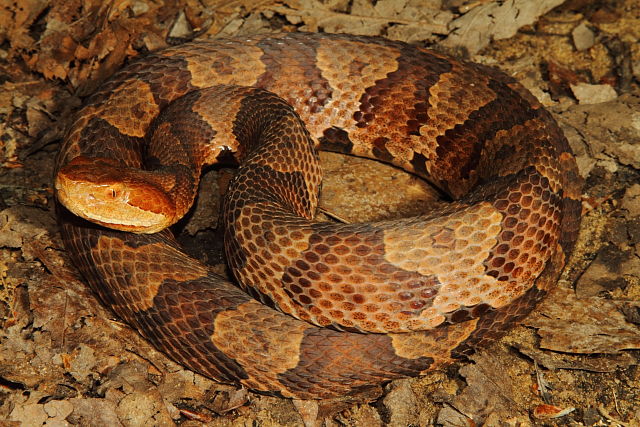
point(114, 193)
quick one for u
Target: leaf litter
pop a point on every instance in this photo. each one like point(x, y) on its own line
point(65, 360)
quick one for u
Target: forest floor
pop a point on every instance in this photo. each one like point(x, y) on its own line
point(66, 360)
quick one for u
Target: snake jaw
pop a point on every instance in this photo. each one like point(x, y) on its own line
point(113, 196)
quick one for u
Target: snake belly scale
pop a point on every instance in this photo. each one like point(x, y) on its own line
point(356, 304)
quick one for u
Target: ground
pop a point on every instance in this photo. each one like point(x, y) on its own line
point(65, 360)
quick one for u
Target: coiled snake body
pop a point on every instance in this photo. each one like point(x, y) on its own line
point(399, 297)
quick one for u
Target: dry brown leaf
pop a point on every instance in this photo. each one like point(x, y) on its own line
point(588, 325)
point(588, 362)
point(229, 16)
point(16, 20)
point(494, 21)
point(493, 391)
point(611, 130)
point(546, 412)
point(364, 18)
point(84, 41)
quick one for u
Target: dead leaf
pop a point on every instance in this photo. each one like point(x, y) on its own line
point(588, 325)
point(494, 21)
point(365, 18)
point(493, 389)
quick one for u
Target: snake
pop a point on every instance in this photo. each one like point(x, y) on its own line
point(317, 309)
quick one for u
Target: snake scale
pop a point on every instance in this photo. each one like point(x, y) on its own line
point(343, 306)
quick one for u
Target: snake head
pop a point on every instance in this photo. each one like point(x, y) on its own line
point(107, 193)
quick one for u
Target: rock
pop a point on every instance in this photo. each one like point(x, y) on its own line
point(593, 94)
point(181, 28)
point(29, 415)
point(59, 409)
point(583, 37)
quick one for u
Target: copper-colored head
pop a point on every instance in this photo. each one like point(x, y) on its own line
point(106, 193)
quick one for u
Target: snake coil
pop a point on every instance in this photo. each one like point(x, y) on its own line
point(399, 297)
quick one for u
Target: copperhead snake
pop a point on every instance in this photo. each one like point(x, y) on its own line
point(357, 304)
